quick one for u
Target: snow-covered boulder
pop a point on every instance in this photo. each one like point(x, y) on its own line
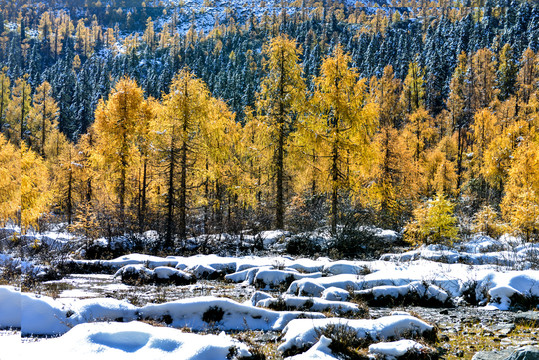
point(395, 349)
point(416, 292)
point(269, 238)
point(272, 278)
point(319, 351)
point(139, 274)
point(388, 236)
point(310, 304)
point(304, 332)
point(101, 309)
point(344, 267)
point(202, 313)
point(135, 273)
point(507, 289)
point(247, 275)
point(335, 294)
point(202, 271)
point(42, 315)
point(258, 296)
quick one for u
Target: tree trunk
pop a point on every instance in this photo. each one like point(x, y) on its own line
point(142, 217)
point(170, 199)
point(183, 193)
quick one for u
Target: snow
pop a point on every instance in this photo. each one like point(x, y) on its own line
point(258, 296)
point(395, 348)
point(508, 251)
point(304, 332)
point(428, 291)
point(91, 310)
point(343, 267)
point(270, 278)
point(319, 351)
point(10, 309)
point(42, 315)
point(133, 340)
point(235, 316)
point(159, 274)
point(506, 285)
point(311, 304)
point(335, 294)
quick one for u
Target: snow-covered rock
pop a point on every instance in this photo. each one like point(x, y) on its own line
point(319, 351)
point(304, 332)
point(202, 271)
point(103, 309)
point(394, 349)
point(258, 296)
point(415, 288)
point(504, 287)
point(139, 274)
point(42, 315)
point(335, 294)
point(271, 278)
point(202, 313)
point(310, 304)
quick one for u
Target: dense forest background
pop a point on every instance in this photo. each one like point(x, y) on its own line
point(420, 117)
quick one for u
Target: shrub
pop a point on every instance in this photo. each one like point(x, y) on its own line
point(213, 315)
point(344, 341)
point(303, 245)
point(433, 223)
point(486, 221)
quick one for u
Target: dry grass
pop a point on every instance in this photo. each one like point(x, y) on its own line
point(473, 338)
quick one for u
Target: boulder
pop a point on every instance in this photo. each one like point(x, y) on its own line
point(523, 353)
point(528, 318)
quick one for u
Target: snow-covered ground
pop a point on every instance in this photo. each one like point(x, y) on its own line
point(297, 297)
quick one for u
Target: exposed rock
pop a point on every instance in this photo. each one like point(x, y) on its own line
point(528, 318)
point(493, 355)
point(524, 353)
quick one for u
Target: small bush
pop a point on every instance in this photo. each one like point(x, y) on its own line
point(434, 223)
point(213, 315)
point(303, 245)
point(486, 221)
point(524, 302)
point(344, 341)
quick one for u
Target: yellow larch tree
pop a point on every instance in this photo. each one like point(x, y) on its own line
point(114, 150)
point(344, 123)
point(282, 94)
point(18, 109)
point(10, 182)
point(5, 91)
point(35, 193)
point(520, 205)
point(413, 92)
point(178, 141)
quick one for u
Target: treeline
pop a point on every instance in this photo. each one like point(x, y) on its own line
point(82, 56)
point(304, 157)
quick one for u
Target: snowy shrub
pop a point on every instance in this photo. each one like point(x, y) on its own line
point(354, 240)
point(213, 315)
point(344, 340)
point(524, 302)
point(303, 244)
